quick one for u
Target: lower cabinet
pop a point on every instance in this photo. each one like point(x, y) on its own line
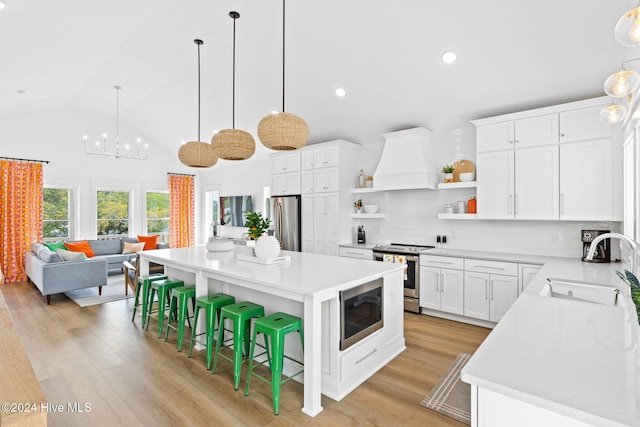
point(488, 295)
point(360, 253)
point(442, 289)
point(526, 273)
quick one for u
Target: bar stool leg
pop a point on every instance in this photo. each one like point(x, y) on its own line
point(196, 312)
point(182, 317)
point(277, 345)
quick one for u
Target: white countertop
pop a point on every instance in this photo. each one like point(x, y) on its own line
point(575, 358)
point(492, 256)
point(358, 245)
point(306, 273)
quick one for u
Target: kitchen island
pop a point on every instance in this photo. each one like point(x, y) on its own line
point(553, 361)
point(308, 286)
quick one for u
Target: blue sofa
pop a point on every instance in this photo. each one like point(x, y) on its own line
point(52, 275)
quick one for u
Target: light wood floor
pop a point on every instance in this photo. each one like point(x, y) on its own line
point(96, 355)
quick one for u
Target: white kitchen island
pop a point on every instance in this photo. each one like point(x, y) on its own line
point(308, 286)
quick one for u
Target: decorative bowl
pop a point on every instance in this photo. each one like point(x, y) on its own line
point(467, 176)
point(219, 244)
point(371, 208)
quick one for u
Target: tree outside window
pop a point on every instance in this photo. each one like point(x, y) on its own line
point(113, 213)
point(57, 214)
point(158, 215)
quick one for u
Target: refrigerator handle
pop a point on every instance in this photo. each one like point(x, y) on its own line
point(279, 219)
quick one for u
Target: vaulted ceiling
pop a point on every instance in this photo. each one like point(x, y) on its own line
point(512, 55)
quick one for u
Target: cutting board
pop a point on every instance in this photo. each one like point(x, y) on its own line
point(462, 166)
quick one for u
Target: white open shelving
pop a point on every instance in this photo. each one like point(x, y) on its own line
point(448, 185)
point(367, 215)
point(457, 216)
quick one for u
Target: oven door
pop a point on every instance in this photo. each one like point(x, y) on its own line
point(412, 279)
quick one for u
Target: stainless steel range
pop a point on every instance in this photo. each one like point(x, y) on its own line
point(411, 254)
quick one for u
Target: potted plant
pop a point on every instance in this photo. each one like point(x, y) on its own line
point(256, 223)
point(358, 205)
point(447, 170)
point(630, 279)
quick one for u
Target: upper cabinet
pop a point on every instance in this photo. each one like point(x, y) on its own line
point(285, 174)
point(285, 163)
point(551, 163)
point(321, 157)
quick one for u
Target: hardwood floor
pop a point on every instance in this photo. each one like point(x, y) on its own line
point(128, 376)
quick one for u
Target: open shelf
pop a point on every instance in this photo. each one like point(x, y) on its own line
point(448, 185)
point(457, 216)
point(366, 215)
point(363, 190)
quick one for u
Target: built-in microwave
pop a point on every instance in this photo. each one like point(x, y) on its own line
point(361, 312)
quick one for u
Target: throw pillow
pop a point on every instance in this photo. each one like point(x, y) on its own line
point(131, 248)
point(151, 242)
point(71, 256)
point(55, 246)
point(81, 246)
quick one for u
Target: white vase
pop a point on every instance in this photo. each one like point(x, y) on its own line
point(267, 247)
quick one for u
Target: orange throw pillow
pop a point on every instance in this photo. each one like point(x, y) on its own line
point(150, 242)
point(81, 246)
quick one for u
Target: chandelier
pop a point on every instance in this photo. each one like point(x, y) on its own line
point(124, 152)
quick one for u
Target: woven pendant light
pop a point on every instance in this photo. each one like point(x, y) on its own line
point(197, 154)
point(283, 131)
point(233, 144)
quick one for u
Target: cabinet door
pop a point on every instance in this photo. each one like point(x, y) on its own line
point(537, 183)
point(332, 227)
point(319, 224)
point(307, 160)
point(629, 186)
point(476, 295)
point(307, 181)
point(326, 157)
point(278, 164)
point(430, 288)
point(497, 136)
point(586, 181)
point(495, 185)
point(451, 291)
point(293, 183)
point(525, 274)
point(539, 130)
point(503, 292)
point(582, 124)
point(278, 185)
point(307, 222)
point(292, 162)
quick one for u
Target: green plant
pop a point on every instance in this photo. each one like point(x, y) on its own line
point(358, 204)
point(447, 169)
point(630, 279)
point(256, 224)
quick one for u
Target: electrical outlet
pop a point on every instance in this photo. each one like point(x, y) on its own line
point(553, 239)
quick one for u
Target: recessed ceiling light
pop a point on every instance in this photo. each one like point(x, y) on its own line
point(3, 4)
point(449, 57)
point(341, 92)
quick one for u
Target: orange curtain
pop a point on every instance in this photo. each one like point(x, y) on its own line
point(20, 215)
point(181, 211)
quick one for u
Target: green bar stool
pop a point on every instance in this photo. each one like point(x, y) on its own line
point(212, 304)
point(275, 327)
point(162, 287)
point(143, 285)
point(240, 314)
point(181, 297)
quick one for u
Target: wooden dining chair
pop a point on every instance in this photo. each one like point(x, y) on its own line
point(131, 273)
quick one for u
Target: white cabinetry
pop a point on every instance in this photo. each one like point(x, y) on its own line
point(547, 164)
point(360, 253)
point(526, 273)
point(325, 199)
point(490, 288)
point(285, 174)
point(442, 283)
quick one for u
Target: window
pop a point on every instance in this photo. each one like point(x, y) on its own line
point(158, 214)
point(113, 213)
point(212, 210)
point(58, 214)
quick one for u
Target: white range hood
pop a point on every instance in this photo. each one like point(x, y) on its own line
point(407, 161)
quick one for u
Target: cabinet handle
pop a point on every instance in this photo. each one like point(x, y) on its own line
point(561, 203)
point(486, 289)
point(491, 290)
point(367, 356)
point(437, 282)
point(439, 262)
point(510, 141)
point(517, 141)
point(562, 135)
point(487, 266)
point(441, 282)
point(510, 203)
point(516, 204)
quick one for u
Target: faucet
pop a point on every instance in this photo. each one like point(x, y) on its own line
point(594, 243)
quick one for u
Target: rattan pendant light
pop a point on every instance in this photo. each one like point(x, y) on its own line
point(233, 144)
point(283, 131)
point(197, 154)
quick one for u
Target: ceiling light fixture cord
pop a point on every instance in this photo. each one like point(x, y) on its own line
point(234, 15)
point(198, 42)
point(283, 51)
point(117, 119)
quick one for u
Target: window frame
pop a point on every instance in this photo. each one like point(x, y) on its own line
point(131, 209)
point(145, 221)
point(73, 214)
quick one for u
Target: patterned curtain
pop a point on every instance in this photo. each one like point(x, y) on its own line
point(181, 211)
point(20, 215)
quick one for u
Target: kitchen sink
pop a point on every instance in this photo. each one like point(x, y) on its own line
point(581, 291)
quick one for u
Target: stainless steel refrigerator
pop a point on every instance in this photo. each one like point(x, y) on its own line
point(285, 213)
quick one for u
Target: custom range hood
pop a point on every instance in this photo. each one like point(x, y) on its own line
point(407, 161)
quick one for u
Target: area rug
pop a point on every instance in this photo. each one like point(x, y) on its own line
point(114, 291)
point(450, 396)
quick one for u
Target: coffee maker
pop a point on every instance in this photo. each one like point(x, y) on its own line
point(603, 249)
point(361, 235)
